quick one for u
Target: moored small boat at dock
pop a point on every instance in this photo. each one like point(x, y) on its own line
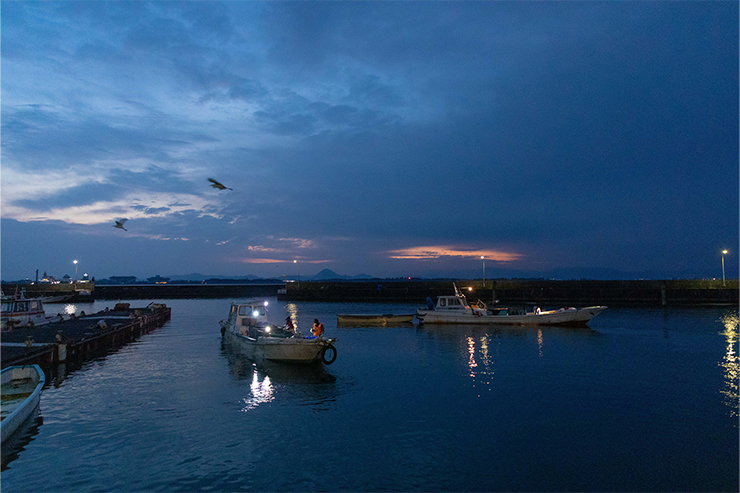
point(247, 325)
point(19, 311)
point(373, 319)
point(456, 310)
point(21, 393)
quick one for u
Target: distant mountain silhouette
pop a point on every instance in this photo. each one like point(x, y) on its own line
point(328, 274)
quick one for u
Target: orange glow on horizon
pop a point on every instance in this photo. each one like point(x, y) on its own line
point(279, 261)
point(434, 252)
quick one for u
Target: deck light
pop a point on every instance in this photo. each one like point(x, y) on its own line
point(255, 313)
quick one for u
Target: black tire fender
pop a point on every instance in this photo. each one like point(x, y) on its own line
point(333, 356)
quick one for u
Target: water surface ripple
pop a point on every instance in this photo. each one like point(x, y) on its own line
point(643, 400)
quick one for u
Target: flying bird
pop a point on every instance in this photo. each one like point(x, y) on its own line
point(119, 224)
point(218, 185)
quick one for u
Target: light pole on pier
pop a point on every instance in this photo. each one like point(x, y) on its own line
point(299, 271)
point(75, 262)
point(724, 252)
point(484, 270)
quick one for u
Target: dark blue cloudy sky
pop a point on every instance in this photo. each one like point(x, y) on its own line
point(387, 138)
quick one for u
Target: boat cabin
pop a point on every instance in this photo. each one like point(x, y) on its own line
point(21, 311)
point(457, 302)
point(248, 314)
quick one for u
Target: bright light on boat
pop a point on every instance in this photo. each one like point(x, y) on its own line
point(255, 313)
point(265, 303)
point(267, 329)
point(470, 289)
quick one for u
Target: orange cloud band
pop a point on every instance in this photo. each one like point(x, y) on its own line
point(434, 252)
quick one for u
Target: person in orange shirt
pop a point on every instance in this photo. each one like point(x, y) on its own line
point(318, 328)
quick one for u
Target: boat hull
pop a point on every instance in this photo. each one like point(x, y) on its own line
point(556, 317)
point(21, 393)
point(284, 350)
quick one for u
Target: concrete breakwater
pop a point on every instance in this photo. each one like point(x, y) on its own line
point(514, 291)
point(80, 338)
point(185, 291)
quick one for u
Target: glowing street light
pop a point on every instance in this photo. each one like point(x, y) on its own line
point(299, 271)
point(484, 270)
point(75, 262)
point(724, 252)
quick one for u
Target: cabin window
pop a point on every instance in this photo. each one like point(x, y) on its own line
point(455, 301)
point(34, 305)
point(442, 302)
point(8, 307)
point(242, 310)
point(21, 306)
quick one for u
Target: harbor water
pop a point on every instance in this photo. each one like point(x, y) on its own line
point(642, 400)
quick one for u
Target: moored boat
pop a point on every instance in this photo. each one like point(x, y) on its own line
point(19, 311)
point(455, 309)
point(247, 325)
point(373, 319)
point(21, 393)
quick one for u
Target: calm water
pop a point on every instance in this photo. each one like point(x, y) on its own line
point(644, 400)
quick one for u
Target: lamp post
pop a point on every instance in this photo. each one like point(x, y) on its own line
point(724, 252)
point(75, 262)
point(299, 271)
point(484, 270)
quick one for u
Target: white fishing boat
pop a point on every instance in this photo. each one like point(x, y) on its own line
point(21, 393)
point(247, 325)
point(456, 310)
point(19, 311)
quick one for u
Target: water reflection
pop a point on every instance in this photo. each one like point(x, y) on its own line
point(261, 392)
point(730, 362)
point(17, 442)
point(308, 384)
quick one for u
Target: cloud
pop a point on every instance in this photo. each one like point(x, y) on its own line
point(442, 251)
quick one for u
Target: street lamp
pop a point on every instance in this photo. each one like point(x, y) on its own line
point(75, 262)
point(299, 271)
point(724, 252)
point(484, 270)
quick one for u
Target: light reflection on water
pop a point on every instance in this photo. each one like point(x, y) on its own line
point(622, 406)
point(730, 362)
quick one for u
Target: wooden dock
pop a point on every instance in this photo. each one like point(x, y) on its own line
point(80, 338)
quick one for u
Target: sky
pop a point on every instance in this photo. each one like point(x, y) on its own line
point(390, 139)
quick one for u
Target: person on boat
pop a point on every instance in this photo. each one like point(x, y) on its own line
point(289, 324)
point(318, 328)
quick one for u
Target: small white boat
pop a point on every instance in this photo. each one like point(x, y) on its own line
point(247, 325)
point(456, 310)
point(21, 393)
point(19, 311)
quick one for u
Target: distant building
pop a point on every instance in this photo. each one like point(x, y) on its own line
point(121, 280)
point(158, 279)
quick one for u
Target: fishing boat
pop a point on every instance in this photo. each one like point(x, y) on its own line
point(372, 319)
point(21, 393)
point(19, 311)
point(455, 309)
point(247, 325)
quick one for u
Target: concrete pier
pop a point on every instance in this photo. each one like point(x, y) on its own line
point(81, 338)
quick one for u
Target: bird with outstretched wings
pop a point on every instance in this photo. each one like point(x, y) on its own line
point(217, 185)
point(119, 224)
